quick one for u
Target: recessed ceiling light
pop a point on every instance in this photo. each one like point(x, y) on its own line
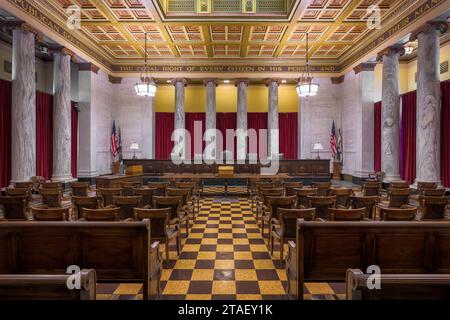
point(226, 81)
point(283, 81)
point(169, 81)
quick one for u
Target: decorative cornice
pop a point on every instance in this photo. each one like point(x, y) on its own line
point(239, 80)
point(182, 80)
point(368, 66)
point(213, 80)
point(115, 80)
point(88, 67)
point(400, 50)
point(337, 80)
point(441, 26)
point(268, 81)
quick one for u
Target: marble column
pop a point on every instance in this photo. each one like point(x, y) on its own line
point(390, 118)
point(210, 119)
point(23, 105)
point(179, 115)
point(272, 119)
point(62, 134)
point(241, 120)
point(428, 113)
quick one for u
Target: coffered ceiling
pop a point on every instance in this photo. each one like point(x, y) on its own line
point(226, 31)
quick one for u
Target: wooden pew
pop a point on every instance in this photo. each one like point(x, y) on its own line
point(47, 286)
point(119, 252)
point(398, 286)
point(325, 250)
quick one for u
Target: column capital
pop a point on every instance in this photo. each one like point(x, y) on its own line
point(114, 80)
point(63, 51)
point(442, 26)
point(367, 66)
point(390, 51)
point(182, 80)
point(239, 80)
point(213, 80)
point(268, 81)
point(337, 80)
point(88, 67)
point(26, 27)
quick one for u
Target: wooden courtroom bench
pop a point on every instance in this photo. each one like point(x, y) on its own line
point(119, 252)
point(47, 286)
point(397, 286)
point(325, 250)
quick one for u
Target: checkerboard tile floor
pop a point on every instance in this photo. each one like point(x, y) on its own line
point(224, 257)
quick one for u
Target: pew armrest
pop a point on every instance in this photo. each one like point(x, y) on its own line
point(291, 270)
point(155, 270)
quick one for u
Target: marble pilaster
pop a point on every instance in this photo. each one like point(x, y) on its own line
point(62, 135)
point(23, 113)
point(210, 119)
point(272, 119)
point(179, 116)
point(428, 126)
point(241, 120)
point(390, 118)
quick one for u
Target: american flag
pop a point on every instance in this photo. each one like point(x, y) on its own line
point(333, 143)
point(114, 141)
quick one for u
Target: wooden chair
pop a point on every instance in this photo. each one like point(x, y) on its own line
point(51, 197)
point(103, 214)
point(80, 203)
point(323, 188)
point(14, 208)
point(407, 213)
point(80, 189)
point(186, 203)
point(195, 194)
point(322, 205)
point(14, 192)
point(24, 185)
point(286, 229)
point(371, 189)
point(160, 187)
point(50, 214)
point(398, 197)
point(262, 204)
point(399, 185)
point(303, 194)
point(438, 192)
point(174, 203)
point(290, 187)
point(342, 196)
point(126, 205)
point(274, 203)
point(128, 188)
point(433, 207)
point(369, 203)
point(163, 229)
point(52, 185)
point(255, 193)
point(376, 177)
point(147, 196)
point(427, 185)
point(107, 195)
point(341, 214)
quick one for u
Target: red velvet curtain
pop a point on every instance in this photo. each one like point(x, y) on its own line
point(257, 121)
point(44, 134)
point(5, 133)
point(226, 121)
point(74, 143)
point(408, 135)
point(191, 118)
point(445, 133)
point(164, 126)
point(377, 136)
point(288, 124)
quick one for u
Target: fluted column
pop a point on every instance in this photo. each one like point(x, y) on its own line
point(390, 119)
point(179, 116)
point(272, 119)
point(210, 119)
point(62, 133)
point(23, 115)
point(428, 113)
point(241, 120)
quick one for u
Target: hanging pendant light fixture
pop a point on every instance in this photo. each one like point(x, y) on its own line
point(147, 87)
point(306, 86)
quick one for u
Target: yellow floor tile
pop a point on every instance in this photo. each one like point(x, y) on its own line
point(243, 255)
point(240, 241)
point(225, 248)
point(258, 248)
point(176, 287)
point(245, 275)
point(224, 264)
point(271, 287)
point(165, 274)
point(185, 264)
point(203, 275)
point(225, 236)
point(206, 255)
point(128, 288)
point(191, 248)
point(263, 264)
point(209, 241)
point(224, 287)
point(319, 288)
point(198, 297)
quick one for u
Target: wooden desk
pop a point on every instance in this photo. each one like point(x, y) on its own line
point(114, 180)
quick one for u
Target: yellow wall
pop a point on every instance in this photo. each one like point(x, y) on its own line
point(226, 98)
point(407, 72)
